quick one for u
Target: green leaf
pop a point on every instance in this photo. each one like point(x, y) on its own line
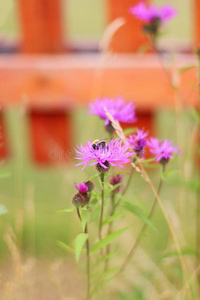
point(3, 210)
point(183, 252)
point(112, 188)
point(195, 114)
point(146, 161)
point(107, 240)
point(79, 243)
point(95, 213)
point(168, 172)
point(186, 68)
point(65, 247)
point(106, 273)
point(138, 212)
point(70, 209)
point(91, 177)
point(112, 218)
point(119, 173)
point(129, 131)
point(105, 257)
point(84, 218)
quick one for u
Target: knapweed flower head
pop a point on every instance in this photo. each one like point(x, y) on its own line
point(153, 15)
point(118, 108)
point(115, 180)
point(113, 154)
point(148, 14)
point(138, 141)
point(162, 150)
point(82, 197)
point(82, 187)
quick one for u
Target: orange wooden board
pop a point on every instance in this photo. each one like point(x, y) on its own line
point(74, 80)
point(50, 136)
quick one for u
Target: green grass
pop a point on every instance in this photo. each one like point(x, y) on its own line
point(33, 193)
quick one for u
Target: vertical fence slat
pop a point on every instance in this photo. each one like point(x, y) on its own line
point(51, 136)
point(129, 37)
point(41, 26)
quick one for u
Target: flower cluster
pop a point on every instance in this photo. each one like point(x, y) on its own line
point(121, 111)
point(104, 156)
point(138, 142)
point(162, 149)
point(148, 14)
point(153, 15)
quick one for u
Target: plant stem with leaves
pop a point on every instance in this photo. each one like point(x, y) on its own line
point(102, 177)
point(88, 254)
point(144, 227)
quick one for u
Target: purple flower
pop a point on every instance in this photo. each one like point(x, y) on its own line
point(152, 12)
point(121, 111)
point(162, 149)
point(115, 153)
point(138, 141)
point(82, 187)
point(114, 180)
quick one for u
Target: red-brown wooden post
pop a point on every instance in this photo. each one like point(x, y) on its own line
point(51, 136)
point(42, 33)
point(41, 26)
point(197, 23)
point(129, 37)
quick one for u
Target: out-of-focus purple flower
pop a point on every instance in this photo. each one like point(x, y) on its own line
point(82, 187)
point(114, 180)
point(121, 111)
point(162, 149)
point(152, 12)
point(114, 153)
point(138, 141)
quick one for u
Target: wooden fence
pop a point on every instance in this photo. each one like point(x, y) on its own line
point(55, 81)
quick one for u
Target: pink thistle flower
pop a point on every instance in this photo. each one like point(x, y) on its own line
point(138, 141)
point(82, 187)
point(121, 111)
point(152, 12)
point(114, 153)
point(162, 149)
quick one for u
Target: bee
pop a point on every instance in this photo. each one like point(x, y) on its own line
point(97, 144)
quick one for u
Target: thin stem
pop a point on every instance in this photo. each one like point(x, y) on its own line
point(108, 248)
point(88, 263)
point(78, 213)
point(142, 231)
point(88, 255)
point(102, 206)
point(128, 182)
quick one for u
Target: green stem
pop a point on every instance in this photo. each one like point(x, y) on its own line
point(108, 248)
point(142, 231)
point(88, 263)
point(88, 255)
point(128, 182)
point(102, 206)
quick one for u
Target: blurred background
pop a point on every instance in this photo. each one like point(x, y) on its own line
point(52, 63)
